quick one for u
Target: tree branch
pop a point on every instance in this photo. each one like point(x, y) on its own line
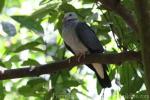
point(117, 7)
point(64, 64)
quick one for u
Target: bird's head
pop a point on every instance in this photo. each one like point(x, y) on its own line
point(70, 16)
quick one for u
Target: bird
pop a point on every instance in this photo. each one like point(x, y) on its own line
point(80, 39)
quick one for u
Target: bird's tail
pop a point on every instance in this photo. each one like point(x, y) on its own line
point(100, 71)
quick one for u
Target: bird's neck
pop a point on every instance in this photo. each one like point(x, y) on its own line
point(70, 23)
point(73, 19)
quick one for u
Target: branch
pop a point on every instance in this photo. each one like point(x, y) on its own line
point(64, 64)
point(117, 7)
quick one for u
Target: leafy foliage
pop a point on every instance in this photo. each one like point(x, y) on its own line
point(29, 23)
point(2, 5)
point(22, 45)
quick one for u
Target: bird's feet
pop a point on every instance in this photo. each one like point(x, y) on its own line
point(80, 55)
point(69, 60)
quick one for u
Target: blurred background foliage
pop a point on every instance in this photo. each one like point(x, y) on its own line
point(30, 35)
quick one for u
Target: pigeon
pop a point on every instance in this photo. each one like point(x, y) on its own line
point(80, 39)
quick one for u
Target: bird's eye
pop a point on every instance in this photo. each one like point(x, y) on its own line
point(70, 14)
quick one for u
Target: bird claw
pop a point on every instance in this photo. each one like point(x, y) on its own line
point(69, 61)
point(80, 55)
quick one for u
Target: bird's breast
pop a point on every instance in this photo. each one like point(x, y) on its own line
point(71, 39)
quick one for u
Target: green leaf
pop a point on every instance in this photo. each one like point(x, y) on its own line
point(2, 3)
point(10, 49)
point(30, 62)
point(2, 64)
point(26, 91)
point(67, 7)
point(115, 95)
point(30, 46)
point(65, 75)
point(54, 78)
point(71, 83)
point(60, 53)
point(127, 71)
point(34, 87)
point(2, 92)
point(7, 64)
point(106, 41)
point(136, 87)
point(142, 95)
point(40, 40)
point(48, 95)
point(29, 23)
point(14, 58)
point(102, 32)
point(53, 17)
point(44, 2)
point(132, 87)
point(84, 12)
point(42, 12)
point(98, 87)
point(112, 73)
point(74, 91)
point(37, 49)
point(14, 3)
point(36, 81)
point(59, 23)
point(129, 79)
point(87, 1)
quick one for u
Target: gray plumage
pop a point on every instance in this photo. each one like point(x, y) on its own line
point(70, 37)
point(80, 39)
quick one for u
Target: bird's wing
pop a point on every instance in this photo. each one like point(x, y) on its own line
point(88, 37)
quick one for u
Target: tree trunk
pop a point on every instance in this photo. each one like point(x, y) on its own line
point(143, 12)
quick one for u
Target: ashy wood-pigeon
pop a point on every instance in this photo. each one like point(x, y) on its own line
point(80, 39)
